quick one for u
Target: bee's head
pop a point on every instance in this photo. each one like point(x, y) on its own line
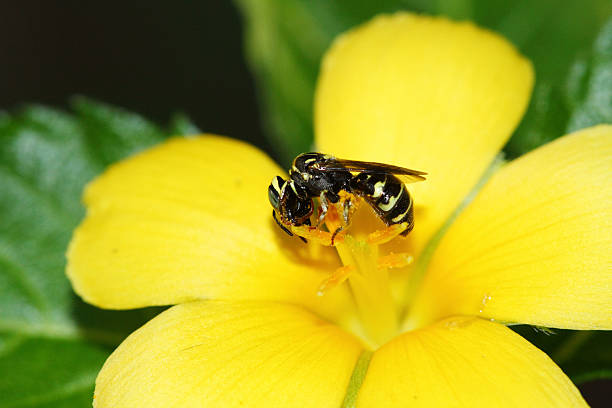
point(290, 201)
point(275, 191)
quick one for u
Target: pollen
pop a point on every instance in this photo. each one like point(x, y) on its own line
point(364, 269)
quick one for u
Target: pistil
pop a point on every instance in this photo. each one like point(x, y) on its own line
point(369, 283)
point(368, 280)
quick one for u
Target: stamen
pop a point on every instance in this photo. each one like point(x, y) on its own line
point(369, 282)
point(365, 270)
point(316, 235)
point(385, 235)
point(395, 260)
point(338, 277)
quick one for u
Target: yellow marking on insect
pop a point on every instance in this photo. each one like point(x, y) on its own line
point(401, 216)
point(390, 204)
point(275, 184)
point(378, 189)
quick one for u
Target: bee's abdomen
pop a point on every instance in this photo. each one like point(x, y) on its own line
point(401, 211)
point(388, 196)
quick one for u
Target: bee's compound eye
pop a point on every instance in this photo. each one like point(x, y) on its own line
point(274, 191)
point(274, 197)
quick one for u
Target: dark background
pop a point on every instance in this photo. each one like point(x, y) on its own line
point(151, 57)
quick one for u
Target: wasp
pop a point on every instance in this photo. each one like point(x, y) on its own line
point(318, 175)
point(292, 202)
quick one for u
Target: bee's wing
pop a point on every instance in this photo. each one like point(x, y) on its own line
point(408, 175)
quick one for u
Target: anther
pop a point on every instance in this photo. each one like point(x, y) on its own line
point(387, 234)
point(395, 260)
point(337, 278)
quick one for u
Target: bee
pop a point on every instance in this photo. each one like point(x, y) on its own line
point(317, 175)
point(291, 202)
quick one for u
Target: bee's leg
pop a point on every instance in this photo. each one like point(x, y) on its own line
point(313, 234)
point(395, 260)
point(285, 228)
point(344, 219)
point(324, 208)
point(336, 232)
point(336, 278)
point(346, 210)
point(387, 234)
point(347, 207)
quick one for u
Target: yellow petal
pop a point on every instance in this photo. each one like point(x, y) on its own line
point(190, 219)
point(230, 354)
point(424, 93)
point(464, 362)
point(535, 246)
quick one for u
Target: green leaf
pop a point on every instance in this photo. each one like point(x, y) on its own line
point(545, 120)
point(47, 372)
point(583, 355)
point(114, 133)
point(581, 99)
point(51, 344)
point(590, 85)
point(286, 39)
point(180, 124)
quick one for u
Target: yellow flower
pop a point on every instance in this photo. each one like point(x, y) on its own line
point(188, 223)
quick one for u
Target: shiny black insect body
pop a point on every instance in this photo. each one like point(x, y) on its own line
point(323, 176)
point(388, 196)
point(291, 201)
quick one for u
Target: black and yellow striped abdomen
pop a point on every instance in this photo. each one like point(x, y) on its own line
point(387, 195)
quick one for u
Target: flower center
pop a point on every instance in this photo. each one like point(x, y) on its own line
point(367, 274)
point(364, 269)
